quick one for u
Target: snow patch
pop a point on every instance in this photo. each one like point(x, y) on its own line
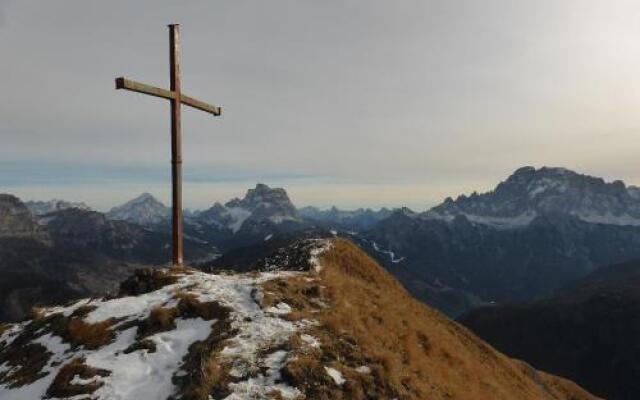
point(261, 386)
point(610, 219)
point(335, 375)
point(144, 375)
point(363, 369)
point(280, 309)
point(316, 252)
point(238, 216)
point(390, 253)
point(496, 222)
point(310, 340)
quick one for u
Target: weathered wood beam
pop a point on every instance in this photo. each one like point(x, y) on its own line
point(200, 105)
point(128, 84)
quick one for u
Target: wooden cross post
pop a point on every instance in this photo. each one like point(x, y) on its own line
point(176, 98)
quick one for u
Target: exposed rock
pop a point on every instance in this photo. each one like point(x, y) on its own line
point(45, 207)
point(16, 219)
point(529, 192)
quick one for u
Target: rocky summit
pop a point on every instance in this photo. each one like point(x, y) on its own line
point(144, 210)
point(338, 327)
point(46, 207)
point(15, 218)
point(261, 205)
point(529, 192)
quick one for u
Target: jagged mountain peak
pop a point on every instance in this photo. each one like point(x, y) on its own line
point(310, 333)
point(268, 200)
point(39, 208)
point(144, 209)
point(261, 205)
point(144, 198)
point(11, 202)
point(529, 192)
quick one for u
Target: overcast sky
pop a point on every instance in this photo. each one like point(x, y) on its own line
point(354, 103)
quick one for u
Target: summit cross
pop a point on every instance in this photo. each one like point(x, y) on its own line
point(176, 98)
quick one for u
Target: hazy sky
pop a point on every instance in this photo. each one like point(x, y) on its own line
point(354, 103)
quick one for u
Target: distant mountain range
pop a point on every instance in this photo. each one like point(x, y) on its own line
point(530, 192)
point(72, 252)
point(46, 207)
point(588, 332)
point(260, 204)
point(543, 238)
point(538, 231)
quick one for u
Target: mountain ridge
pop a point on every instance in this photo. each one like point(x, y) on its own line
point(187, 334)
point(529, 192)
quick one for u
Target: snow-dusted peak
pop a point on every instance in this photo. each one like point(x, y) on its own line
point(266, 201)
point(261, 204)
point(144, 209)
point(45, 207)
point(529, 192)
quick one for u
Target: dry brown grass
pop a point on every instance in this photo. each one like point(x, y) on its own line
point(206, 375)
point(26, 361)
point(161, 319)
point(91, 336)
point(413, 351)
point(4, 327)
point(62, 386)
point(146, 280)
point(190, 307)
point(37, 313)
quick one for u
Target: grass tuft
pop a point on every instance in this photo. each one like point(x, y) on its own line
point(91, 336)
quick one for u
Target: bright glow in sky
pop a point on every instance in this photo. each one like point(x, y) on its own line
point(353, 103)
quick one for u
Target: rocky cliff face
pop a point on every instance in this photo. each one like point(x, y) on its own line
point(529, 192)
point(262, 212)
point(266, 203)
point(45, 207)
point(332, 326)
point(16, 219)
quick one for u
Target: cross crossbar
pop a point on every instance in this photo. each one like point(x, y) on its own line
point(128, 84)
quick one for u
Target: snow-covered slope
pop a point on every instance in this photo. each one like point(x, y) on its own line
point(334, 325)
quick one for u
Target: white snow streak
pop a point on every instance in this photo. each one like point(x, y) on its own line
point(335, 375)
